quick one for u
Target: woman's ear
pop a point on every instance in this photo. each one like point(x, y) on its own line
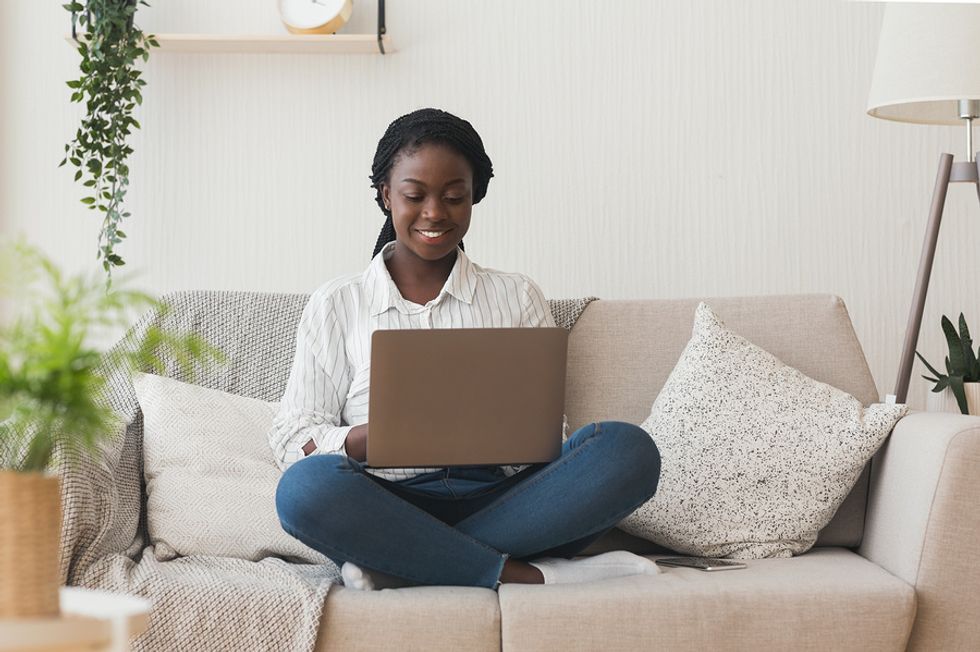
point(386, 195)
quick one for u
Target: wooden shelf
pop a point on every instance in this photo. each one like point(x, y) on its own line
point(271, 43)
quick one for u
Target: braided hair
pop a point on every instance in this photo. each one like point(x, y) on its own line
point(406, 134)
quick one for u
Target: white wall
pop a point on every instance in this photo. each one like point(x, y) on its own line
point(669, 148)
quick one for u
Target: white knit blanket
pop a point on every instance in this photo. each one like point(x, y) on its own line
point(201, 602)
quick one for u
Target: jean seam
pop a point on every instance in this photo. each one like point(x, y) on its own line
point(536, 478)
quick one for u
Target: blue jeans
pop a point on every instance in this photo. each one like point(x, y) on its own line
point(458, 525)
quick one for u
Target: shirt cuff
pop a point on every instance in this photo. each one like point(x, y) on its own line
point(330, 441)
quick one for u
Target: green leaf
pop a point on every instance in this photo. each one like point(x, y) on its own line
point(928, 366)
point(88, 200)
point(953, 343)
point(956, 384)
point(78, 175)
point(971, 367)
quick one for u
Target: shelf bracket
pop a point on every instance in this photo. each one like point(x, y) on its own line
point(382, 30)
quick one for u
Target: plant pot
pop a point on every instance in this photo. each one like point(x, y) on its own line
point(30, 534)
point(945, 401)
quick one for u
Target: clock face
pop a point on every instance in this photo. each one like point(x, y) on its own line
point(309, 14)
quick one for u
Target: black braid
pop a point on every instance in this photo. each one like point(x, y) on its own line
point(406, 134)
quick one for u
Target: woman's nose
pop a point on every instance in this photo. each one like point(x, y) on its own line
point(433, 208)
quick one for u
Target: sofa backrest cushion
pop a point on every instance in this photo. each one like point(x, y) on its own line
point(621, 352)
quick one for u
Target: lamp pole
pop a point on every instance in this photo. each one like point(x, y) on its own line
point(949, 172)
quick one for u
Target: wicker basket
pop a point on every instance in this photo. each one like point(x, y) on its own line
point(30, 531)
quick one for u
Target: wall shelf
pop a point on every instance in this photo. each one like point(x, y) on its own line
point(268, 43)
point(272, 43)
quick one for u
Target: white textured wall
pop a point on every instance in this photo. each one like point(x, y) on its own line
point(642, 149)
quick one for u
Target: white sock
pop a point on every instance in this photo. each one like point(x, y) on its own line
point(586, 569)
point(356, 577)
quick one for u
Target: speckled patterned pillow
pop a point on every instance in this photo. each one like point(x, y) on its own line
point(756, 457)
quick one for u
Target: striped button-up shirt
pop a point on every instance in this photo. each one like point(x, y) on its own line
point(327, 391)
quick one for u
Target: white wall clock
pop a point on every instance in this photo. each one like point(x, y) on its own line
point(315, 16)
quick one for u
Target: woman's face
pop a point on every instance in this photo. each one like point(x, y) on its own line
point(430, 189)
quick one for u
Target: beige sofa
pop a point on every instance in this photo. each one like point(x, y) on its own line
point(894, 569)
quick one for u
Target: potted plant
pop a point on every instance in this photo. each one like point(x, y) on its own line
point(110, 44)
point(52, 383)
point(961, 382)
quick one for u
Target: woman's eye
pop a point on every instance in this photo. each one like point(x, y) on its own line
point(418, 198)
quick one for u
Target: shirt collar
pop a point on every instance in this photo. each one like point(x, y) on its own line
point(461, 282)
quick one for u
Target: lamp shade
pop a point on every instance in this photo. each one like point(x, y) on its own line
point(928, 60)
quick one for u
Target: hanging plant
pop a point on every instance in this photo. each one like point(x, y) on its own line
point(110, 45)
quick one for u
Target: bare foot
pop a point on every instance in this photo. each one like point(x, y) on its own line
point(520, 572)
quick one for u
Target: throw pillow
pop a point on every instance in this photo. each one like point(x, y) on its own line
point(756, 457)
point(210, 475)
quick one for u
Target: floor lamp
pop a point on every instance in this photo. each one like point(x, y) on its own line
point(928, 71)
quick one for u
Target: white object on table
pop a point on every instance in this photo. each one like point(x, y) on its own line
point(90, 620)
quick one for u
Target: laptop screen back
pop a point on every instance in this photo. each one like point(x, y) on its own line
point(466, 396)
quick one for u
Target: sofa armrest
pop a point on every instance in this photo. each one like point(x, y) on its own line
point(923, 521)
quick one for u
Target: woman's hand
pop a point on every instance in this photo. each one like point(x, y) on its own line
point(309, 447)
point(356, 443)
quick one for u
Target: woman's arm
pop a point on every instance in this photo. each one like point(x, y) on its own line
point(356, 444)
point(311, 405)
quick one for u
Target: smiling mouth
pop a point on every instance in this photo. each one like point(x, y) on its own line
point(434, 237)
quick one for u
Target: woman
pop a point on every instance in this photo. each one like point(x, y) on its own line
point(457, 526)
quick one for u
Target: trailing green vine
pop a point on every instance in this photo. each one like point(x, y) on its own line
point(110, 44)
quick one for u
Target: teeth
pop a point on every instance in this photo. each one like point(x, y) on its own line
point(431, 234)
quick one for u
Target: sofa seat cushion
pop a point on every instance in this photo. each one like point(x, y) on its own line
point(827, 599)
point(411, 618)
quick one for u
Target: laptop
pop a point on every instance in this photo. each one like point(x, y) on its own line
point(466, 396)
